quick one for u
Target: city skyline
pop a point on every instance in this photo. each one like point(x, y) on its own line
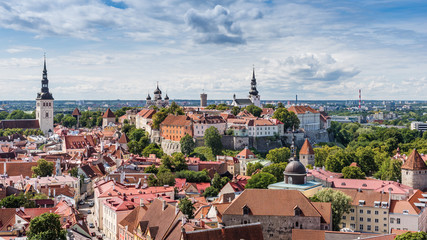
point(119, 49)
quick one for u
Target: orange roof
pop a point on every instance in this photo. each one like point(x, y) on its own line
point(146, 113)
point(180, 120)
point(123, 139)
point(398, 206)
point(302, 109)
point(414, 162)
point(324, 208)
point(108, 114)
point(76, 112)
point(246, 153)
point(306, 148)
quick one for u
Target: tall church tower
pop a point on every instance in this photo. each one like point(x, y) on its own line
point(253, 93)
point(44, 105)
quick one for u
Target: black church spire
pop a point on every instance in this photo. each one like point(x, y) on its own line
point(253, 90)
point(44, 93)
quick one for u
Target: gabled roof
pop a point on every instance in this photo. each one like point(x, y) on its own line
point(414, 162)
point(243, 101)
point(78, 141)
point(302, 109)
point(306, 148)
point(146, 113)
point(20, 123)
point(180, 120)
point(245, 113)
point(108, 114)
point(76, 112)
point(123, 139)
point(271, 202)
point(246, 153)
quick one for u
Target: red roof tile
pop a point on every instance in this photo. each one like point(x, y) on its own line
point(306, 148)
point(302, 109)
point(414, 162)
point(76, 112)
point(108, 114)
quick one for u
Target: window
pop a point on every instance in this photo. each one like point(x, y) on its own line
point(398, 221)
point(368, 228)
point(376, 212)
point(391, 220)
point(343, 225)
point(376, 220)
point(361, 227)
point(352, 210)
point(246, 210)
point(353, 226)
point(344, 217)
point(368, 211)
point(369, 219)
point(361, 211)
point(352, 218)
point(376, 229)
point(361, 219)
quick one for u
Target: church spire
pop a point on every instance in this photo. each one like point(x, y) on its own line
point(253, 90)
point(44, 93)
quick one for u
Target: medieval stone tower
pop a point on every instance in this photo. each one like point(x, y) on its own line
point(306, 154)
point(44, 105)
point(414, 172)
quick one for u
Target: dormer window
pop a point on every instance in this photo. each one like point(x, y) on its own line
point(361, 202)
point(246, 210)
point(297, 211)
point(377, 204)
point(384, 204)
point(405, 212)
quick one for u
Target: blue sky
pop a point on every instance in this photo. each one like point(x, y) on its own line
point(109, 49)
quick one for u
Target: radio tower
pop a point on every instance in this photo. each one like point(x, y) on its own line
point(360, 97)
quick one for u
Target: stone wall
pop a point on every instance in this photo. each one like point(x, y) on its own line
point(415, 179)
point(234, 142)
point(275, 227)
point(170, 147)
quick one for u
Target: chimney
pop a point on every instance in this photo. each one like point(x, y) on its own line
point(141, 202)
point(49, 193)
point(54, 192)
point(163, 205)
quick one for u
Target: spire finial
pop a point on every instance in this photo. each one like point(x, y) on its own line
point(253, 71)
point(44, 61)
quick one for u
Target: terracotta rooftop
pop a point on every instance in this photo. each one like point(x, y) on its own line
point(306, 148)
point(147, 113)
point(368, 197)
point(20, 123)
point(180, 120)
point(123, 139)
point(245, 153)
point(269, 202)
point(251, 231)
point(414, 162)
point(76, 112)
point(108, 114)
point(133, 218)
point(79, 141)
point(302, 109)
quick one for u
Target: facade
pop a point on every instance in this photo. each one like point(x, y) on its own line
point(253, 98)
point(306, 154)
point(144, 119)
point(308, 117)
point(414, 171)
point(410, 214)
point(203, 100)
point(175, 127)
point(278, 211)
point(369, 211)
point(115, 210)
point(44, 105)
point(420, 126)
point(204, 122)
point(157, 101)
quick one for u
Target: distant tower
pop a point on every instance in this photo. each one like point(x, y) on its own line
point(360, 98)
point(157, 93)
point(203, 99)
point(414, 171)
point(296, 100)
point(253, 93)
point(306, 154)
point(76, 113)
point(148, 100)
point(108, 118)
point(44, 105)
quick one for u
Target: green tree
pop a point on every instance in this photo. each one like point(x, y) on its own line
point(187, 144)
point(127, 128)
point(194, 177)
point(366, 159)
point(235, 110)
point(261, 180)
point(175, 109)
point(43, 168)
point(276, 169)
point(69, 121)
point(152, 148)
point(218, 182)
point(74, 172)
point(211, 192)
point(353, 172)
point(252, 167)
point(254, 110)
point(158, 118)
point(47, 227)
point(339, 159)
point(16, 201)
point(289, 119)
point(186, 207)
point(279, 155)
point(165, 177)
point(213, 140)
point(390, 170)
point(340, 202)
point(136, 134)
point(412, 236)
point(179, 162)
point(3, 115)
point(151, 169)
point(58, 118)
point(19, 114)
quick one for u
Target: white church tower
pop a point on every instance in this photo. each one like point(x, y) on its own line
point(44, 105)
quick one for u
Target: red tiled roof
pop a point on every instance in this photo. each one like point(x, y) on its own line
point(302, 109)
point(251, 231)
point(79, 141)
point(246, 153)
point(20, 123)
point(180, 120)
point(108, 114)
point(76, 112)
point(123, 139)
point(306, 148)
point(146, 113)
point(414, 162)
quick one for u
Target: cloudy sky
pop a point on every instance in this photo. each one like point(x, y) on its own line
point(111, 49)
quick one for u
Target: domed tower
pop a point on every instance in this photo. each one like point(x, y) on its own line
point(148, 100)
point(44, 105)
point(166, 100)
point(295, 172)
point(157, 93)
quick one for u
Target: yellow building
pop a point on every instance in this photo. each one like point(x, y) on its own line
point(369, 211)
